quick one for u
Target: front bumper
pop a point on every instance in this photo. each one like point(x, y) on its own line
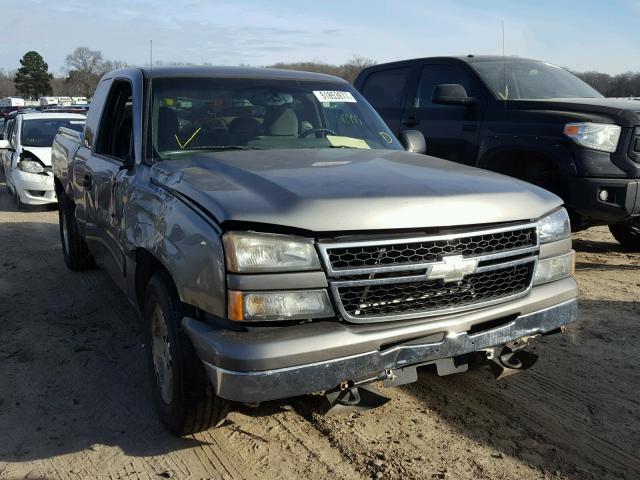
point(33, 188)
point(272, 363)
point(623, 201)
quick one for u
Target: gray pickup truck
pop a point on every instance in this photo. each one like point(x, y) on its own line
point(279, 240)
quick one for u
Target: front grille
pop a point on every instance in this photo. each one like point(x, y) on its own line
point(391, 279)
point(434, 295)
point(423, 251)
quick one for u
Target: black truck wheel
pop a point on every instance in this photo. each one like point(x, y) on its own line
point(182, 393)
point(628, 234)
point(74, 249)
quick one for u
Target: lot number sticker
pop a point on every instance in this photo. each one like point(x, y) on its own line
point(334, 96)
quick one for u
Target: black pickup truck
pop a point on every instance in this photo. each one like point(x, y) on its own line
point(524, 118)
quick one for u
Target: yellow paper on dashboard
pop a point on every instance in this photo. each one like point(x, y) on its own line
point(351, 142)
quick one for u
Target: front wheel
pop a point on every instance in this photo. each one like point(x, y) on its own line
point(74, 249)
point(628, 234)
point(182, 393)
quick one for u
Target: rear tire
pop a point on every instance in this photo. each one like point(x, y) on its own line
point(627, 234)
point(74, 249)
point(182, 392)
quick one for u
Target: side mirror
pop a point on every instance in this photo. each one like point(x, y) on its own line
point(413, 141)
point(451, 94)
point(4, 144)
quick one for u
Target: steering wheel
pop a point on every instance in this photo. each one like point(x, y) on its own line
point(316, 130)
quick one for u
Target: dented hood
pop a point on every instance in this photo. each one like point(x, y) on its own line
point(324, 190)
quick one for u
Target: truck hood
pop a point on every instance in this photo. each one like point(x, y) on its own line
point(43, 153)
point(624, 112)
point(329, 190)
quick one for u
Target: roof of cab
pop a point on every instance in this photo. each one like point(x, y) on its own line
point(44, 115)
point(453, 58)
point(232, 72)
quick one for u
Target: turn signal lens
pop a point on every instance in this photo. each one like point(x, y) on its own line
point(264, 306)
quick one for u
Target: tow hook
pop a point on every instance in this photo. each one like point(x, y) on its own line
point(510, 362)
point(349, 397)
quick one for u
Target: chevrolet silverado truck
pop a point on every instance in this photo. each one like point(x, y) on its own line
point(279, 240)
point(524, 118)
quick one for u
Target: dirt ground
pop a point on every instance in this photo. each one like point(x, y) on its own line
point(75, 403)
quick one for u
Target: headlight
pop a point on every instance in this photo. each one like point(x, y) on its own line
point(261, 252)
point(554, 268)
point(554, 227)
point(598, 136)
point(296, 305)
point(30, 166)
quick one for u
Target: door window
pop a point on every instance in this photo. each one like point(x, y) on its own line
point(385, 88)
point(9, 129)
point(115, 135)
point(433, 75)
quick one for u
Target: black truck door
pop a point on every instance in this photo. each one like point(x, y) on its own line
point(451, 131)
point(386, 90)
point(105, 173)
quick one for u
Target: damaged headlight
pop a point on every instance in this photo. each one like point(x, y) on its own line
point(261, 252)
point(30, 166)
point(555, 226)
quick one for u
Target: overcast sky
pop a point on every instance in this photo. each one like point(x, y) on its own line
point(582, 35)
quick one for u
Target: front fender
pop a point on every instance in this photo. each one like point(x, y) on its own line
point(186, 243)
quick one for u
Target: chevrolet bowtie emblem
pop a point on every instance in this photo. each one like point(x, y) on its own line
point(453, 268)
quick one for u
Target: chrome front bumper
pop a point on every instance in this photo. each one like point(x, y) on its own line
point(253, 385)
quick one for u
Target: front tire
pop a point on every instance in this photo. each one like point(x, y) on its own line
point(182, 393)
point(74, 249)
point(627, 234)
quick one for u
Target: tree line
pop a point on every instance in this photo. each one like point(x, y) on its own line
point(83, 68)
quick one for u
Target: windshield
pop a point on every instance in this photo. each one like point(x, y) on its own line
point(40, 132)
point(511, 79)
point(219, 114)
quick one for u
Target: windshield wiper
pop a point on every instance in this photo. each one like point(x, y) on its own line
point(222, 147)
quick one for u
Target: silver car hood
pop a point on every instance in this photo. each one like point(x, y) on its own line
point(329, 190)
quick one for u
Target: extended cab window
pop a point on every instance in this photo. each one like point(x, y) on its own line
point(433, 75)
point(242, 113)
point(115, 135)
point(385, 89)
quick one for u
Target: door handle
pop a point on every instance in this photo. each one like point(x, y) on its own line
point(410, 121)
point(469, 127)
point(87, 181)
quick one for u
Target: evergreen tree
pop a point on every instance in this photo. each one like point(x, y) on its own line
point(33, 78)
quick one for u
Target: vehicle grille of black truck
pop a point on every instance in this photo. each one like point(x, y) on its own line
point(393, 279)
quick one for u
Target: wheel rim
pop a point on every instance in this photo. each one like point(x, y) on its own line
point(65, 231)
point(161, 353)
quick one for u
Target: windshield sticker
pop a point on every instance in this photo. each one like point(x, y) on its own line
point(347, 142)
point(334, 96)
point(386, 137)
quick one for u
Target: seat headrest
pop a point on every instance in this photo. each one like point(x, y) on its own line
point(245, 126)
point(283, 122)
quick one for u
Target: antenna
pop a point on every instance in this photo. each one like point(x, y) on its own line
point(505, 94)
point(150, 117)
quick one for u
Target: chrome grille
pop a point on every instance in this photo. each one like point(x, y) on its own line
point(434, 295)
point(429, 250)
point(391, 279)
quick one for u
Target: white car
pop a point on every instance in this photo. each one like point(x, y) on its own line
point(26, 154)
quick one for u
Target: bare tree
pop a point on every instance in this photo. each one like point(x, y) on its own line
point(7, 85)
point(349, 71)
point(84, 67)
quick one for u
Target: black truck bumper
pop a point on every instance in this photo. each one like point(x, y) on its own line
point(586, 199)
